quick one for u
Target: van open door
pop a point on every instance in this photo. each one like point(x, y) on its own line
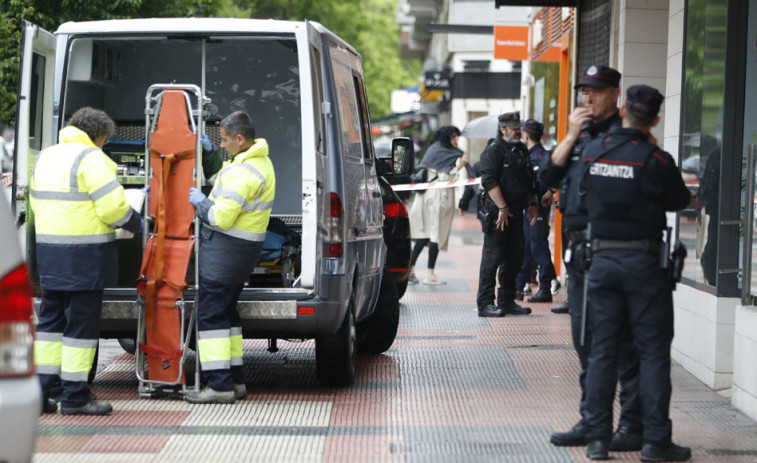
point(34, 114)
point(312, 147)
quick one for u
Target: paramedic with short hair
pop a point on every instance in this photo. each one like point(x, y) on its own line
point(234, 222)
point(77, 203)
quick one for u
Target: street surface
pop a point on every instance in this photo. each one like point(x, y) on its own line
point(453, 388)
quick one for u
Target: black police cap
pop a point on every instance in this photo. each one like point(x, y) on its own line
point(511, 120)
point(599, 76)
point(643, 100)
point(533, 127)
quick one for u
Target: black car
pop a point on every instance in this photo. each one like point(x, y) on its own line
point(396, 236)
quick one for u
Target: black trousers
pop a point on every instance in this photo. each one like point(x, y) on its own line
point(502, 254)
point(628, 360)
point(628, 288)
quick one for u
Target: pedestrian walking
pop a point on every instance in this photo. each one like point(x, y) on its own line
point(234, 219)
point(537, 235)
point(627, 185)
point(433, 210)
point(77, 203)
point(598, 114)
point(508, 179)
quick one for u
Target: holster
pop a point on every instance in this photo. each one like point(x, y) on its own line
point(487, 212)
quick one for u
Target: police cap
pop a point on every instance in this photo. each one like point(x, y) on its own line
point(533, 127)
point(599, 76)
point(643, 100)
point(511, 120)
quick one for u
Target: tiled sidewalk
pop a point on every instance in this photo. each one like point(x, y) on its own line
point(454, 387)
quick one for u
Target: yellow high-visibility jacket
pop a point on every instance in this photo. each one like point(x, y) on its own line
point(243, 194)
point(77, 202)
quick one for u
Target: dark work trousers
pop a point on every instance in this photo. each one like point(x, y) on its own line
point(628, 360)
point(629, 288)
point(217, 310)
point(75, 314)
point(537, 250)
point(502, 255)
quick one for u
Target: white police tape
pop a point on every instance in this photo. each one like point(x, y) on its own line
point(433, 185)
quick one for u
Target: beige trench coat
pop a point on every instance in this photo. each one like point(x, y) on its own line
point(432, 212)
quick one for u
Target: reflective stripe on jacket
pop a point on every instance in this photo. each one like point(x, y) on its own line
point(243, 194)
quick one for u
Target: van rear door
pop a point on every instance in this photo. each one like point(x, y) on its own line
point(34, 108)
point(313, 149)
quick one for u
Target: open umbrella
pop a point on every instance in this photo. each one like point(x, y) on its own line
point(481, 127)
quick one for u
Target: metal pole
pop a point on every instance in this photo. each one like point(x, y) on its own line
point(746, 274)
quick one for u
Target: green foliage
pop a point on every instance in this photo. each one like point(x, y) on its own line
point(369, 25)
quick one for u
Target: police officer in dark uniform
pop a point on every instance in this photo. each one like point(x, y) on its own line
point(599, 113)
point(627, 185)
point(508, 180)
point(537, 235)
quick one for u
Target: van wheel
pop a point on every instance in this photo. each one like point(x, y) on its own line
point(335, 354)
point(401, 288)
point(93, 369)
point(376, 334)
point(129, 345)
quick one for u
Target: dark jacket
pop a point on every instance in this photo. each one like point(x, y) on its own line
point(508, 166)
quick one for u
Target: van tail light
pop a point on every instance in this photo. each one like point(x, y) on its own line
point(395, 210)
point(334, 247)
point(16, 331)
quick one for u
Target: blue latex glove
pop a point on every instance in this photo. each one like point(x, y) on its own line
point(196, 196)
point(147, 193)
point(207, 146)
point(141, 224)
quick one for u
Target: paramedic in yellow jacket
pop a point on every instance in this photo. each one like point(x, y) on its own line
point(77, 203)
point(234, 222)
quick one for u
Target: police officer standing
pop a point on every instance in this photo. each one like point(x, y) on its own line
point(537, 235)
point(508, 180)
point(234, 222)
point(77, 203)
point(599, 113)
point(627, 186)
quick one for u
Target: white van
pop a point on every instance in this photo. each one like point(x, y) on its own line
point(304, 88)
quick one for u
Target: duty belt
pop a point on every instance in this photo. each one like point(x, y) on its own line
point(646, 245)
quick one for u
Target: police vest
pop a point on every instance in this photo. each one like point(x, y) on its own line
point(517, 177)
point(617, 204)
point(570, 203)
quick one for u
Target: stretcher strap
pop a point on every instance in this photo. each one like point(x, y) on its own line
point(162, 356)
point(160, 228)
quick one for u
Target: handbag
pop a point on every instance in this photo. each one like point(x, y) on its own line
point(421, 176)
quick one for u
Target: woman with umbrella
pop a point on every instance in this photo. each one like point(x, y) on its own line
point(432, 211)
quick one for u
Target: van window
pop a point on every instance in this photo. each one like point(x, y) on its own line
point(364, 118)
point(349, 114)
point(315, 62)
point(256, 74)
point(37, 98)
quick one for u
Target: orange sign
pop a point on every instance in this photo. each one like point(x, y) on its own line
point(511, 43)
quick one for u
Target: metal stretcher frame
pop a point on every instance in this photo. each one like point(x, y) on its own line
point(153, 104)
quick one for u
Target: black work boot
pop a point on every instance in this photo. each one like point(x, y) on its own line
point(519, 294)
point(490, 310)
point(90, 408)
point(597, 450)
point(49, 405)
point(626, 439)
point(673, 452)
point(511, 308)
point(574, 437)
point(543, 295)
point(562, 308)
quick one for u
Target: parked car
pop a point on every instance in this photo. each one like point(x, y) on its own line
point(20, 394)
point(305, 90)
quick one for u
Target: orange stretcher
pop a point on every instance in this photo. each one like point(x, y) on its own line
point(174, 164)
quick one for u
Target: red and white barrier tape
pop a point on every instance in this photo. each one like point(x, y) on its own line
point(433, 185)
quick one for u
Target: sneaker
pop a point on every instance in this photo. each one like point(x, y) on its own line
point(433, 280)
point(526, 289)
point(90, 408)
point(240, 391)
point(555, 287)
point(673, 452)
point(208, 395)
point(412, 279)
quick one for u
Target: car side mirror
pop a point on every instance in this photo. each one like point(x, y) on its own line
point(403, 156)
